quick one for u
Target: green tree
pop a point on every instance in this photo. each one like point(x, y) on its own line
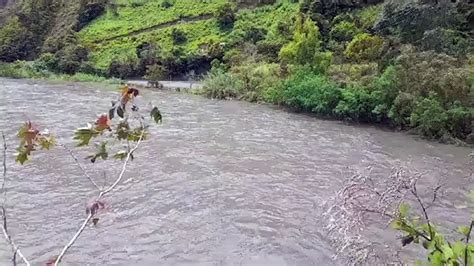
point(305, 49)
point(364, 47)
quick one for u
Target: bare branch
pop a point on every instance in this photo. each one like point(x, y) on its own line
point(80, 167)
point(101, 195)
point(425, 213)
point(466, 251)
point(16, 250)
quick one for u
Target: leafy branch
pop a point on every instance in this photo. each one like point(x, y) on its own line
point(130, 128)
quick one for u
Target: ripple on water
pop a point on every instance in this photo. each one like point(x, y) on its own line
point(224, 183)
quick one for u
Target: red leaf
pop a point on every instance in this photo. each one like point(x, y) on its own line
point(103, 123)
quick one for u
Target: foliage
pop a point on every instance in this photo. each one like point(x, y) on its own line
point(69, 58)
point(15, 41)
point(364, 47)
point(178, 36)
point(359, 104)
point(422, 72)
point(225, 15)
point(305, 45)
point(429, 117)
point(255, 78)
point(367, 17)
point(307, 91)
point(150, 14)
point(440, 250)
point(156, 72)
point(221, 85)
point(344, 31)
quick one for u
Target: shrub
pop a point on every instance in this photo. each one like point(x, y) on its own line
point(344, 31)
point(310, 92)
point(368, 16)
point(460, 121)
point(156, 72)
point(429, 118)
point(306, 43)
point(121, 68)
point(70, 58)
point(166, 4)
point(15, 41)
point(47, 61)
point(225, 15)
point(362, 74)
point(358, 104)
point(255, 78)
point(420, 73)
point(220, 85)
point(401, 109)
point(178, 36)
point(364, 47)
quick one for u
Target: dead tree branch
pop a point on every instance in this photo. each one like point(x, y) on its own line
point(15, 249)
point(84, 172)
point(102, 193)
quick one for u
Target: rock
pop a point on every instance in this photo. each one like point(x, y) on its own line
point(470, 138)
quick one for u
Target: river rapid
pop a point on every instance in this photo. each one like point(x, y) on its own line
point(220, 182)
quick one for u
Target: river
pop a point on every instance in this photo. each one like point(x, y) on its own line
point(221, 182)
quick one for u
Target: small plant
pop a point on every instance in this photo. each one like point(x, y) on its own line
point(364, 47)
point(225, 15)
point(117, 134)
point(178, 36)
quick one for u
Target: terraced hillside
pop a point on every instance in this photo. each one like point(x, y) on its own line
point(115, 36)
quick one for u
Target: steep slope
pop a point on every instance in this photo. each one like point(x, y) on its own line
point(116, 37)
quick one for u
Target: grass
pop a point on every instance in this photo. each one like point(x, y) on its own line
point(131, 18)
point(24, 69)
point(198, 33)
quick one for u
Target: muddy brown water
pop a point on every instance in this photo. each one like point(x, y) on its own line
point(221, 182)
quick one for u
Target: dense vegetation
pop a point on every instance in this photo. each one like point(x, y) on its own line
point(408, 66)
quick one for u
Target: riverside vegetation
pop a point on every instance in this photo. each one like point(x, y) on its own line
point(405, 64)
point(398, 63)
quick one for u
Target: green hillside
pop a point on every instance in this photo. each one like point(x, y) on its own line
point(117, 36)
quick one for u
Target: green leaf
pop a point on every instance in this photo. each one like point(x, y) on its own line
point(403, 209)
point(84, 135)
point(458, 249)
point(122, 130)
point(448, 253)
point(436, 258)
point(121, 155)
point(21, 156)
point(463, 230)
point(156, 115)
point(47, 143)
point(120, 111)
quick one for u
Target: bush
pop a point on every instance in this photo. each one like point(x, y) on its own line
point(429, 118)
point(221, 85)
point(225, 15)
point(359, 104)
point(364, 47)
point(46, 61)
point(70, 58)
point(306, 91)
point(305, 45)
point(460, 121)
point(15, 41)
point(156, 72)
point(344, 31)
point(420, 73)
point(401, 109)
point(166, 4)
point(361, 74)
point(255, 78)
point(178, 36)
